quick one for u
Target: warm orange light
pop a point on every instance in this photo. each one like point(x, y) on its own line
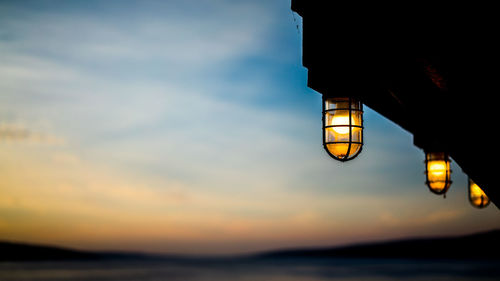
point(343, 127)
point(437, 169)
point(438, 172)
point(341, 124)
point(477, 197)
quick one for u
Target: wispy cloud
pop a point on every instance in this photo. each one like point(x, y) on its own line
point(16, 133)
point(181, 34)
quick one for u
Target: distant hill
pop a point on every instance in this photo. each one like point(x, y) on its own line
point(11, 251)
point(484, 245)
point(15, 251)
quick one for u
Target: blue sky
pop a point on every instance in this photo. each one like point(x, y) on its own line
point(187, 126)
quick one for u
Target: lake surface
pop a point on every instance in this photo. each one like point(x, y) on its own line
point(255, 269)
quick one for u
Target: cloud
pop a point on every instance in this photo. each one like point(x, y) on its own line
point(428, 219)
point(16, 133)
point(126, 74)
point(208, 32)
point(443, 216)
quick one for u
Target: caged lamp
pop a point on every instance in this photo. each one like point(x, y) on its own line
point(437, 172)
point(477, 197)
point(342, 127)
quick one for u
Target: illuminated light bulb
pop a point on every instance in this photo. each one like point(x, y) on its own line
point(437, 171)
point(341, 124)
point(342, 127)
point(477, 197)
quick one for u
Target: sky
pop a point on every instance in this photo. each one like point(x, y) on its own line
point(187, 127)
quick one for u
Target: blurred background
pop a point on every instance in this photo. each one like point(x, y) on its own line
point(187, 127)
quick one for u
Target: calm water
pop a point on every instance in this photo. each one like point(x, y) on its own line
point(238, 270)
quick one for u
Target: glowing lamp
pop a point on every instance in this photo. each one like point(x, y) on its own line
point(437, 171)
point(477, 197)
point(342, 127)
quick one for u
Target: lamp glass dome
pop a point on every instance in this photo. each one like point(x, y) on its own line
point(438, 172)
point(342, 127)
point(477, 197)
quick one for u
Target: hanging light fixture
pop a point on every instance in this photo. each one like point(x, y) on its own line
point(437, 172)
point(477, 197)
point(342, 127)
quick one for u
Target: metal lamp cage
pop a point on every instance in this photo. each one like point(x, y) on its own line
point(477, 197)
point(342, 127)
point(438, 182)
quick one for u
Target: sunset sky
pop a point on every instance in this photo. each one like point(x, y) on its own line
point(187, 127)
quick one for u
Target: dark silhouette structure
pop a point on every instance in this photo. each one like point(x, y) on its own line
point(469, 246)
point(431, 71)
point(11, 251)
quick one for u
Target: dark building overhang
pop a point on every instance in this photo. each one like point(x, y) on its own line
point(432, 74)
